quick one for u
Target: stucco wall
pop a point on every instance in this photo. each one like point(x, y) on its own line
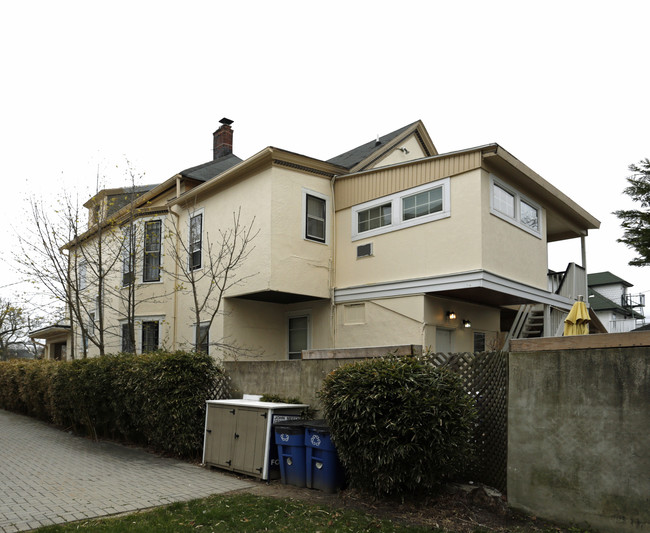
point(509, 250)
point(453, 244)
point(578, 447)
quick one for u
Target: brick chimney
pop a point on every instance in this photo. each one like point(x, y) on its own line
point(222, 144)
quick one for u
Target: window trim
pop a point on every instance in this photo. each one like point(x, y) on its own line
point(138, 330)
point(195, 343)
point(519, 198)
point(305, 194)
point(290, 316)
point(193, 215)
point(142, 329)
point(145, 251)
point(397, 215)
point(82, 274)
point(128, 259)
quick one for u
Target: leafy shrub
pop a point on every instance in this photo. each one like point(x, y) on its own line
point(400, 424)
point(156, 399)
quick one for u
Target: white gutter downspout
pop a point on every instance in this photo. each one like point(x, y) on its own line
point(333, 265)
point(175, 292)
point(583, 247)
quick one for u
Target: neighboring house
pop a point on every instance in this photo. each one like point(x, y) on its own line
point(618, 309)
point(390, 243)
point(57, 340)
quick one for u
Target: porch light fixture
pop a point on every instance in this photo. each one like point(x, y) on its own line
point(451, 315)
point(467, 324)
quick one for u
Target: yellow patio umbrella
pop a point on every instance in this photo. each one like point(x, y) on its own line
point(577, 322)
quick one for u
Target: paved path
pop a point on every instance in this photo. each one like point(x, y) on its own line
point(48, 476)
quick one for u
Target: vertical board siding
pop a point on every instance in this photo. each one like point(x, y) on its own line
point(365, 186)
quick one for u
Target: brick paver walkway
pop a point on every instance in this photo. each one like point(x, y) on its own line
point(48, 476)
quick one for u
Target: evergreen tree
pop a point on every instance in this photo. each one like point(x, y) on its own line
point(636, 222)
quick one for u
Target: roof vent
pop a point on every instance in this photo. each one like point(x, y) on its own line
point(364, 250)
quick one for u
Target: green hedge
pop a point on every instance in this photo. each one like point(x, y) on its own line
point(155, 400)
point(401, 425)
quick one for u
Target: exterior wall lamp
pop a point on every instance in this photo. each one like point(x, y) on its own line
point(451, 315)
point(467, 324)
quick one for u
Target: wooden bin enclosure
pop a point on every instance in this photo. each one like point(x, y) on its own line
point(239, 434)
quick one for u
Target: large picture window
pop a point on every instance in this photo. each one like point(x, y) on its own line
point(510, 205)
point(411, 207)
point(196, 233)
point(152, 244)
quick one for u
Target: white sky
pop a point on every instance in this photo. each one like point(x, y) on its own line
point(563, 86)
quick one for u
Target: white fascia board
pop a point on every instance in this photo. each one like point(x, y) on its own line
point(464, 280)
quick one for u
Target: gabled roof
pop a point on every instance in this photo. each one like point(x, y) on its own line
point(605, 278)
point(353, 159)
point(211, 169)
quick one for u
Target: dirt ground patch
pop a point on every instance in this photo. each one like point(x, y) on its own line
point(453, 509)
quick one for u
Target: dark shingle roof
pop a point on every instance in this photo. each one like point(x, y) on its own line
point(605, 278)
point(356, 155)
point(211, 169)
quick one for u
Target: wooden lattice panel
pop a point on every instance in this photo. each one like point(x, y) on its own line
point(485, 378)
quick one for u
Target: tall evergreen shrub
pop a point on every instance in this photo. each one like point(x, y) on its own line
point(400, 424)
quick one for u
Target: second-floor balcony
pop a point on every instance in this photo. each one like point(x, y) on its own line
point(633, 300)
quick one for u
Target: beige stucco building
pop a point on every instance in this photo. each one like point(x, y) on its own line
point(388, 244)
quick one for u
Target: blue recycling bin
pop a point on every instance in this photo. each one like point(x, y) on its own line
point(324, 470)
point(290, 438)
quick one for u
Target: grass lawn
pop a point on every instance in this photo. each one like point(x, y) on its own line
point(240, 513)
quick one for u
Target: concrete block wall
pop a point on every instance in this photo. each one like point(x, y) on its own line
point(579, 436)
point(290, 379)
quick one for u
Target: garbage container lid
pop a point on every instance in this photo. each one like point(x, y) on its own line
point(320, 424)
point(290, 427)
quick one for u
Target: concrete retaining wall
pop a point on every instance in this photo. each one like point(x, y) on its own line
point(289, 379)
point(579, 436)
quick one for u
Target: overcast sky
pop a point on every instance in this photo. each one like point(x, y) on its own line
point(563, 86)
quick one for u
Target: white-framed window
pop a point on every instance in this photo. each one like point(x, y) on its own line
point(83, 274)
point(146, 334)
point(315, 207)
point(403, 209)
point(151, 261)
point(510, 205)
point(202, 337)
point(128, 256)
point(128, 340)
point(299, 337)
point(150, 336)
point(196, 240)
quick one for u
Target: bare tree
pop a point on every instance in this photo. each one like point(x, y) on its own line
point(13, 327)
point(208, 268)
point(74, 259)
